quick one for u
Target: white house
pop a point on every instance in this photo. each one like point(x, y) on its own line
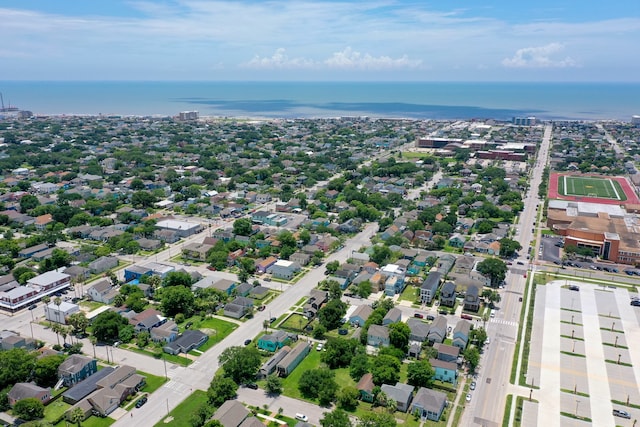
point(284, 269)
point(58, 314)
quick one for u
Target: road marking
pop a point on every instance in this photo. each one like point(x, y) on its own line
point(504, 322)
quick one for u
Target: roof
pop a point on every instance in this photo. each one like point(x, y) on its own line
point(74, 363)
point(443, 365)
point(462, 327)
point(231, 413)
point(432, 281)
point(188, 338)
point(363, 311)
point(378, 331)
point(173, 224)
point(418, 327)
point(366, 383)
point(23, 390)
point(48, 278)
point(394, 313)
point(275, 336)
point(88, 385)
point(251, 422)
point(449, 350)
point(430, 400)
point(102, 285)
point(400, 392)
point(64, 306)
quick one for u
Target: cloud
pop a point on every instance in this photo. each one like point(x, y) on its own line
point(539, 57)
point(349, 59)
point(278, 60)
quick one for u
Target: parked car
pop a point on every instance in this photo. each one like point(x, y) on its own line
point(466, 317)
point(622, 414)
point(141, 401)
point(472, 386)
point(252, 386)
point(343, 331)
point(319, 346)
point(188, 325)
point(261, 308)
point(468, 398)
point(635, 303)
point(302, 417)
point(419, 315)
point(273, 319)
point(431, 317)
point(247, 342)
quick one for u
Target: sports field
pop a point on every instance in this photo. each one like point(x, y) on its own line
point(588, 186)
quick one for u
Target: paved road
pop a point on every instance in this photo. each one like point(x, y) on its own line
point(198, 375)
point(487, 405)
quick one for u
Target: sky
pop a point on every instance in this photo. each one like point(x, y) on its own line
point(318, 40)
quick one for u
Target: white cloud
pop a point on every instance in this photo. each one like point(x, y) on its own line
point(349, 59)
point(539, 57)
point(278, 60)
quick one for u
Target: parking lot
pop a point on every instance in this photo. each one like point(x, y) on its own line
point(585, 355)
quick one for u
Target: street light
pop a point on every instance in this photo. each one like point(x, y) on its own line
point(577, 403)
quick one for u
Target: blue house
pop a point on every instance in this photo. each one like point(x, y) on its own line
point(429, 404)
point(76, 368)
point(135, 272)
point(273, 341)
point(445, 371)
point(461, 334)
point(360, 315)
point(378, 336)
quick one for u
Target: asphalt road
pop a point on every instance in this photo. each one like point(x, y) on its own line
point(489, 399)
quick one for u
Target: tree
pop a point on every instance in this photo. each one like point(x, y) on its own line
point(399, 335)
point(77, 416)
point(221, 389)
point(45, 371)
point(201, 415)
point(348, 397)
point(273, 384)
point(377, 419)
point(385, 369)
point(508, 247)
point(213, 423)
point(359, 366)
point(380, 254)
point(331, 314)
point(493, 268)
point(364, 289)
point(28, 202)
point(240, 363)
point(318, 383)
point(177, 299)
point(78, 322)
point(332, 266)
point(485, 226)
point(29, 409)
point(178, 278)
point(479, 335)
point(15, 366)
point(472, 356)
point(107, 325)
point(339, 352)
point(242, 227)
point(335, 418)
point(420, 373)
point(318, 332)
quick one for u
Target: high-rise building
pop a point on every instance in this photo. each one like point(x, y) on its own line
point(188, 115)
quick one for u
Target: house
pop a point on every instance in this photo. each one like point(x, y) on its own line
point(147, 319)
point(360, 315)
point(365, 386)
point(263, 266)
point(400, 393)
point(274, 341)
point(77, 273)
point(85, 387)
point(414, 350)
point(49, 281)
point(114, 389)
point(457, 240)
point(283, 269)
point(76, 368)
point(445, 371)
point(238, 307)
point(135, 272)
point(437, 330)
point(231, 413)
point(300, 258)
point(419, 329)
point(149, 244)
point(189, 340)
point(447, 353)
point(315, 301)
point(196, 251)
point(32, 250)
point(293, 359)
point(224, 285)
point(359, 258)
point(270, 365)
point(28, 390)
point(472, 299)
point(166, 332)
point(59, 313)
point(429, 287)
point(378, 336)
point(461, 334)
point(42, 221)
point(393, 316)
point(429, 404)
point(448, 294)
point(102, 291)
point(12, 340)
point(103, 264)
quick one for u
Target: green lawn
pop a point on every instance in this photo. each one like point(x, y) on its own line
point(181, 414)
point(294, 322)
point(409, 294)
point(590, 187)
point(290, 383)
point(92, 421)
point(216, 329)
point(54, 410)
point(153, 382)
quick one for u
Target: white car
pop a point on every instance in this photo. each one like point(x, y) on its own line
point(302, 417)
point(319, 347)
point(468, 399)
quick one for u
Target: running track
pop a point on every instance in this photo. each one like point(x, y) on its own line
point(632, 198)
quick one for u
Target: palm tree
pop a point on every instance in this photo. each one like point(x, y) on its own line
point(55, 327)
point(64, 331)
point(94, 341)
point(77, 416)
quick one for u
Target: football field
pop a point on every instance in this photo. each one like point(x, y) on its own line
point(603, 188)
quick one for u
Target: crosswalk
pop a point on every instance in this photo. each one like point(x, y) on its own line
point(504, 322)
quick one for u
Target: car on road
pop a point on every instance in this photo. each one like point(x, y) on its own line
point(431, 317)
point(141, 401)
point(493, 313)
point(635, 303)
point(272, 320)
point(33, 306)
point(466, 317)
point(302, 417)
point(261, 308)
point(574, 288)
point(593, 267)
point(622, 414)
point(468, 398)
point(247, 342)
point(472, 386)
point(629, 272)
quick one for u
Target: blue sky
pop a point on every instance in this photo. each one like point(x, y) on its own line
point(370, 40)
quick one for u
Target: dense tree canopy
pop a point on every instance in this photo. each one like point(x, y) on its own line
point(331, 314)
point(493, 268)
point(107, 325)
point(177, 299)
point(240, 363)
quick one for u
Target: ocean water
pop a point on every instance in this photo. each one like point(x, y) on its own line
point(574, 101)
